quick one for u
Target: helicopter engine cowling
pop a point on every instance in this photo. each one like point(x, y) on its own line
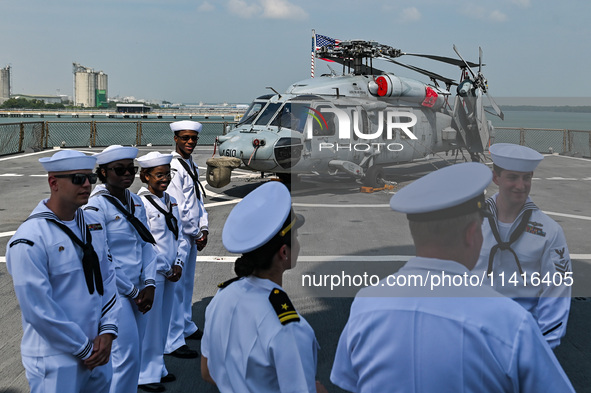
point(406, 89)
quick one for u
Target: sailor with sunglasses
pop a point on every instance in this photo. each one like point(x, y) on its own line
point(65, 284)
point(187, 190)
point(134, 257)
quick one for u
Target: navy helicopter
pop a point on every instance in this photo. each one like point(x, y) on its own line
point(360, 121)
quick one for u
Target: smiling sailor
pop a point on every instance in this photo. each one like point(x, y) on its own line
point(187, 190)
point(430, 327)
point(65, 284)
point(134, 257)
point(254, 339)
point(524, 244)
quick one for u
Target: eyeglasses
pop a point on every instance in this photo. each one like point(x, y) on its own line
point(122, 170)
point(186, 138)
point(79, 178)
point(160, 175)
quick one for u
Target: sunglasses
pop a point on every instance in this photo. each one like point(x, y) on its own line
point(122, 170)
point(186, 138)
point(80, 178)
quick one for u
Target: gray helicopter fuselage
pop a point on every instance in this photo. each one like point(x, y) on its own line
point(326, 123)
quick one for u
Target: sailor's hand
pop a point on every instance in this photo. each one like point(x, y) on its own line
point(177, 272)
point(202, 241)
point(145, 299)
point(101, 351)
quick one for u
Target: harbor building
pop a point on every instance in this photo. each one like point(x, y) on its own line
point(4, 84)
point(90, 87)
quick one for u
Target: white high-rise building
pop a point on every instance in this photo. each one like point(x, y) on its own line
point(90, 87)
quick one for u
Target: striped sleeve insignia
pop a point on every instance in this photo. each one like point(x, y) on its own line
point(283, 307)
point(19, 241)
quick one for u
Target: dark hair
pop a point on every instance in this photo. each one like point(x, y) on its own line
point(497, 169)
point(262, 257)
point(143, 173)
point(99, 172)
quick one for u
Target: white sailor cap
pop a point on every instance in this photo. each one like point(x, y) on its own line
point(186, 125)
point(153, 159)
point(67, 160)
point(515, 157)
point(259, 217)
point(449, 192)
point(115, 153)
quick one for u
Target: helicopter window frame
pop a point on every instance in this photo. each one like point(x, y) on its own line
point(267, 114)
point(292, 110)
point(249, 118)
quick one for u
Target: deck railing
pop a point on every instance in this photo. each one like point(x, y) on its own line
point(38, 135)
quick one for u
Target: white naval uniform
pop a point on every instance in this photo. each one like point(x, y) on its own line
point(60, 317)
point(170, 252)
point(135, 268)
point(193, 220)
point(247, 347)
point(542, 250)
point(453, 339)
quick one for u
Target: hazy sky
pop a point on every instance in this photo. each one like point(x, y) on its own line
point(230, 50)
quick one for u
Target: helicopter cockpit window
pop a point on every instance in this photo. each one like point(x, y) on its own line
point(267, 114)
point(292, 116)
point(252, 112)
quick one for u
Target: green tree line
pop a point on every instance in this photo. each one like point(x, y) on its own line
point(23, 103)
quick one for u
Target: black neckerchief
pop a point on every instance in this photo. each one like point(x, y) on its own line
point(193, 175)
point(90, 260)
point(171, 221)
point(527, 210)
point(133, 220)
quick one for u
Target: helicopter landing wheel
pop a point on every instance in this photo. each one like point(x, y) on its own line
point(374, 177)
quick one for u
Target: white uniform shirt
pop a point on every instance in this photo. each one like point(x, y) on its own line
point(135, 260)
point(194, 218)
point(59, 314)
point(453, 339)
point(542, 252)
point(170, 250)
point(249, 350)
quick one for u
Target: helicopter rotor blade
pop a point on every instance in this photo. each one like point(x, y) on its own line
point(498, 110)
point(460, 56)
point(448, 60)
point(479, 60)
point(430, 74)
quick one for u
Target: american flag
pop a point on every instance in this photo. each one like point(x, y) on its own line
point(321, 41)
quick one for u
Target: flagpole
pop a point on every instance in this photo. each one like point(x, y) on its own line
point(312, 60)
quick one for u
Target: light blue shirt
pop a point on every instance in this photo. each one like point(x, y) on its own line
point(59, 314)
point(545, 260)
point(249, 350)
point(445, 339)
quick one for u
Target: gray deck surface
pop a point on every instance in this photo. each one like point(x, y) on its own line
point(345, 231)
